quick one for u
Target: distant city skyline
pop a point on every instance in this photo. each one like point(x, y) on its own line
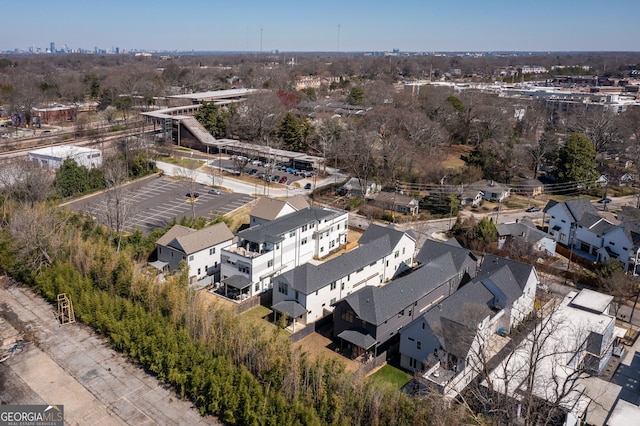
point(331, 25)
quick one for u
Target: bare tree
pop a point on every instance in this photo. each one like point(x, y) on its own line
point(117, 212)
point(599, 124)
point(188, 176)
point(39, 233)
point(537, 378)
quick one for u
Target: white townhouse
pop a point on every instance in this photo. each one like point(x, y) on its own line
point(200, 249)
point(272, 248)
point(563, 217)
point(450, 341)
point(308, 292)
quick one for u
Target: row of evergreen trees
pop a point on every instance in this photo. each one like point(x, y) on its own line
point(239, 372)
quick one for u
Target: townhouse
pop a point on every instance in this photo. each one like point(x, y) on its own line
point(309, 291)
point(200, 249)
point(449, 342)
point(370, 319)
point(272, 248)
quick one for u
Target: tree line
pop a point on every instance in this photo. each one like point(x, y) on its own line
point(237, 371)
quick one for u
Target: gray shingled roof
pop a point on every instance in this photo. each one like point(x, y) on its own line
point(432, 250)
point(519, 272)
point(524, 229)
point(375, 232)
point(308, 278)
point(578, 207)
point(273, 231)
point(375, 305)
point(454, 321)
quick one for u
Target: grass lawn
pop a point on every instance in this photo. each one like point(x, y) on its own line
point(390, 376)
point(183, 162)
point(256, 315)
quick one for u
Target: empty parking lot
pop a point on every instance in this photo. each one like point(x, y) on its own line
point(155, 202)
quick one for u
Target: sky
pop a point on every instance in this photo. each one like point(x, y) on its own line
point(323, 25)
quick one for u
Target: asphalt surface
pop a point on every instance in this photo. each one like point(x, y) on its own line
point(154, 202)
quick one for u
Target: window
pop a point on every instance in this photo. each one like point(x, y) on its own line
point(342, 286)
point(257, 287)
point(198, 271)
point(347, 315)
point(292, 234)
point(418, 345)
point(333, 285)
point(283, 287)
point(243, 268)
point(269, 263)
point(303, 241)
point(360, 270)
point(413, 362)
point(332, 301)
point(296, 294)
point(212, 250)
point(423, 324)
point(305, 227)
point(159, 250)
point(411, 339)
point(338, 227)
point(190, 258)
point(396, 254)
point(321, 249)
point(215, 264)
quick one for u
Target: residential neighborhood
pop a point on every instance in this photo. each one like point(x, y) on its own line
point(363, 234)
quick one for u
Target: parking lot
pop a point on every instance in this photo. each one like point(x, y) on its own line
point(282, 174)
point(155, 202)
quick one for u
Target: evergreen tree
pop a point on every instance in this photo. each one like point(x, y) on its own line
point(577, 161)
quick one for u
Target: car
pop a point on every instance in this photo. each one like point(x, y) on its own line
point(193, 194)
point(256, 163)
point(604, 201)
point(253, 171)
point(261, 175)
point(283, 179)
point(215, 191)
point(275, 178)
point(307, 186)
point(533, 209)
point(290, 170)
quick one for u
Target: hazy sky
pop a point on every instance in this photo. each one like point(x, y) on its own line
point(323, 25)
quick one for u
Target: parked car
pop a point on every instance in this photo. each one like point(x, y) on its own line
point(283, 179)
point(290, 170)
point(261, 175)
point(275, 178)
point(193, 194)
point(604, 201)
point(215, 191)
point(256, 163)
point(307, 186)
point(533, 209)
point(253, 171)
